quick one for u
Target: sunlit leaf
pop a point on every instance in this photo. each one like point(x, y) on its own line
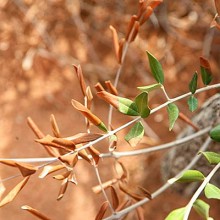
point(135, 135)
point(14, 192)
point(176, 214)
point(127, 107)
point(55, 128)
point(215, 133)
point(192, 103)
point(62, 176)
point(202, 208)
point(188, 176)
point(173, 113)
point(63, 188)
point(212, 157)
point(150, 87)
point(156, 68)
point(70, 159)
point(142, 104)
point(193, 83)
point(50, 169)
point(26, 169)
point(102, 211)
point(212, 191)
point(205, 71)
point(35, 212)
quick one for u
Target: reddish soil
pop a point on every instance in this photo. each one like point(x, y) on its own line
point(38, 44)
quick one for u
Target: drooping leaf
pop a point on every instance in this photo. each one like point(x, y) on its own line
point(205, 71)
point(35, 212)
point(94, 153)
point(62, 176)
point(150, 87)
point(212, 157)
point(81, 138)
point(70, 159)
point(50, 169)
point(212, 191)
point(55, 128)
point(115, 199)
point(141, 102)
point(193, 83)
point(102, 211)
point(135, 134)
point(26, 169)
point(176, 214)
point(14, 192)
point(202, 208)
point(192, 103)
point(156, 68)
point(215, 133)
point(188, 176)
point(63, 188)
point(173, 113)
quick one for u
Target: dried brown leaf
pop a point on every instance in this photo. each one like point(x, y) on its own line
point(111, 87)
point(135, 31)
point(109, 98)
point(2, 188)
point(131, 26)
point(120, 50)
point(55, 128)
point(188, 121)
point(62, 176)
point(102, 211)
point(8, 162)
point(217, 6)
point(97, 189)
point(70, 159)
point(14, 192)
point(145, 192)
point(79, 73)
point(72, 178)
point(50, 169)
point(121, 171)
point(35, 212)
point(26, 169)
point(83, 137)
point(85, 156)
point(98, 86)
point(115, 199)
point(115, 40)
point(154, 4)
point(94, 153)
point(89, 97)
point(63, 189)
point(147, 14)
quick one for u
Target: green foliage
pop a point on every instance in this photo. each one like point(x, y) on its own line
point(176, 214)
point(173, 113)
point(128, 107)
point(192, 103)
point(141, 102)
point(156, 68)
point(193, 83)
point(212, 157)
point(212, 191)
point(150, 87)
point(135, 134)
point(215, 133)
point(202, 208)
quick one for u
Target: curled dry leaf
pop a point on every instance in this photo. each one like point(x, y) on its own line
point(79, 73)
point(131, 26)
point(115, 40)
point(109, 98)
point(145, 192)
point(154, 4)
point(85, 156)
point(135, 31)
point(55, 128)
point(26, 169)
point(102, 211)
point(97, 189)
point(83, 138)
point(35, 212)
point(111, 87)
point(115, 199)
point(70, 159)
point(89, 97)
point(13, 193)
point(50, 169)
point(62, 176)
point(63, 188)
point(145, 16)
point(8, 162)
point(120, 50)
point(99, 87)
point(124, 204)
point(121, 171)
point(72, 178)
point(94, 153)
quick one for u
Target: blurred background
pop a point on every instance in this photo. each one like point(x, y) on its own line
point(39, 42)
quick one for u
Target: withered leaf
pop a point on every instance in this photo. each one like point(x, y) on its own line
point(115, 40)
point(135, 31)
point(147, 14)
point(55, 128)
point(81, 138)
point(50, 169)
point(145, 192)
point(102, 211)
point(70, 159)
point(115, 199)
point(72, 178)
point(154, 4)
point(111, 87)
point(63, 189)
point(26, 169)
point(131, 25)
point(35, 212)
point(97, 189)
point(13, 193)
point(8, 162)
point(121, 171)
point(99, 87)
point(94, 153)
point(84, 155)
point(62, 176)
point(123, 205)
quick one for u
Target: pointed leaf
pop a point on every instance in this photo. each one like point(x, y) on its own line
point(173, 113)
point(63, 189)
point(55, 128)
point(193, 83)
point(127, 107)
point(156, 68)
point(215, 133)
point(35, 212)
point(212, 157)
point(176, 214)
point(81, 138)
point(13, 193)
point(115, 199)
point(135, 135)
point(26, 169)
point(192, 103)
point(150, 87)
point(70, 159)
point(188, 176)
point(94, 153)
point(212, 191)
point(50, 169)
point(102, 211)
point(142, 104)
point(205, 71)
point(202, 208)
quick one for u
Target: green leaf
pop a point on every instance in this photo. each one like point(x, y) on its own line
point(188, 176)
point(142, 104)
point(215, 133)
point(156, 68)
point(193, 83)
point(102, 127)
point(128, 107)
point(150, 87)
point(135, 135)
point(212, 191)
point(202, 208)
point(192, 103)
point(205, 71)
point(212, 157)
point(173, 113)
point(176, 214)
